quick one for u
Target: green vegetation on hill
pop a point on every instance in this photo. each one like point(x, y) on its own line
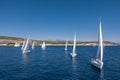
point(12, 40)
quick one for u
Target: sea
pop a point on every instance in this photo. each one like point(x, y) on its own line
point(54, 63)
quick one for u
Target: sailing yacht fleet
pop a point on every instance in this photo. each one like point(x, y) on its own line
point(26, 46)
point(97, 61)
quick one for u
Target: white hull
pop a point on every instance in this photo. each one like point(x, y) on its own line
point(65, 49)
point(43, 47)
point(97, 63)
point(73, 54)
point(17, 45)
point(26, 51)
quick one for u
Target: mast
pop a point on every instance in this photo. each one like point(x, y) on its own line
point(101, 42)
point(74, 45)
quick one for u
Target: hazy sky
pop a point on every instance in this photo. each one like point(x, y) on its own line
point(59, 19)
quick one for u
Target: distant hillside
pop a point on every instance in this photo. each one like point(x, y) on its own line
point(7, 40)
point(11, 38)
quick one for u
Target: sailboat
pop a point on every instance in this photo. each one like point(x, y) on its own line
point(16, 44)
point(66, 46)
point(73, 54)
point(23, 45)
point(26, 46)
point(43, 46)
point(33, 44)
point(98, 61)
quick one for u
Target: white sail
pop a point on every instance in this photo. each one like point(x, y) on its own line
point(66, 45)
point(33, 45)
point(26, 45)
point(23, 45)
point(43, 45)
point(74, 44)
point(101, 42)
point(98, 51)
point(73, 54)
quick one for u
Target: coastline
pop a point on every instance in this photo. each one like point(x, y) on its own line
point(10, 41)
point(64, 45)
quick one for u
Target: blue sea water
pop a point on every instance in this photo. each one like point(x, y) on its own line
point(54, 63)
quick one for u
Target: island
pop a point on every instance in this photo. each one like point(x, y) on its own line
point(10, 41)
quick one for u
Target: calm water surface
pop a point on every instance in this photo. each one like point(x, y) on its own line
point(54, 63)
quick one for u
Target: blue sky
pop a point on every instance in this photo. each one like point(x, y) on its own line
point(59, 19)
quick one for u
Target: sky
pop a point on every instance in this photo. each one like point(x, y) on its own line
point(60, 19)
